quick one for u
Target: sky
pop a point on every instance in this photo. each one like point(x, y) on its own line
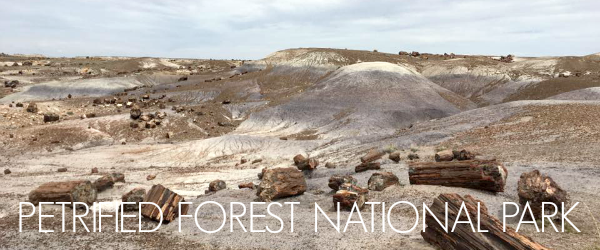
point(252, 29)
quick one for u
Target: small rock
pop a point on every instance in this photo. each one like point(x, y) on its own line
point(303, 163)
point(135, 112)
point(367, 166)
point(281, 182)
point(135, 195)
point(118, 177)
point(134, 125)
point(413, 156)
point(104, 182)
point(7, 171)
point(249, 185)
point(19, 105)
point(94, 170)
point(243, 160)
point(372, 155)
point(216, 185)
point(395, 156)
point(32, 107)
point(169, 135)
point(61, 170)
point(329, 165)
point(337, 180)
point(150, 177)
point(51, 117)
point(382, 180)
point(257, 161)
point(350, 194)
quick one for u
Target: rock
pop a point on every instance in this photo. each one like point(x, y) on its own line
point(303, 163)
point(118, 177)
point(262, 173)
point(167, 200)
point(11, 136)
point(372, 155)
point(249, 185)
point(225, 124)
point(7, 171)
point(403, 53)
point(382, 180)
point(94, 170)
point(415, 54)
point(463, 155)
point(350, 194)
point(61, 170)
point(506, 59)
point(68, 191)
point(104, 182)
point(150, 124)
point(145, 118)
point(243, 160)
point(11, 84)
point(169, 135)
point(535, 188)
point(257, 161)
point(135, 195)
point(412, 156)
point(183, 78)
point(367, 166)
point(69, 96)
point(134, 125)
point(226, 102)
point(51, 117)
point(129, 104)
point(216, 185)
point(150, 177)
point(395, 156)
point(337, 180)
point(90, 115)
point(32, 107)
point(446, 155)
point(329, 165)
point(483, 175)
point(135, 112)
point(20, 105)
point(281, 182)
point(145, 97)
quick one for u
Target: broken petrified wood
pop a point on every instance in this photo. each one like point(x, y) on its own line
point(215, 186)
point(445, 155)
point(463, 155)
point(104, 182)
point(350, 194)
point(395, 156)
point(249, 185)
point(367, 166)
point(536, 188)
point(167, 200)
point(484, 175)
point(463, 236)
point(68, 191)
point(337, 180)
point(372, 155)
point(382, 180)
point(304, 163)
point(135, 195)
point(281, 182)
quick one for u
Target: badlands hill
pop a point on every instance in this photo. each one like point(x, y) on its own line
point(228, 119)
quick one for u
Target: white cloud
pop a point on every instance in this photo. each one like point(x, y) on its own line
point(255, 28)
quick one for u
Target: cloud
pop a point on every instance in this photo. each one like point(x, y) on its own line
point(254, 28)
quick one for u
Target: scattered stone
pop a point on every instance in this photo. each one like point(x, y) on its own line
point(167, 200)
point(183, 78)
point(51, 117)
point(215, 186)
point(463, 155)
point(249, 185)
point(329, 165)
point(337, 180)
point(94, 170)
point(90, 115)
point(31, 108)
point(350, 194)
point(19, 105)
point(104, 182)
point(150, 177)
point(11, 84)
point(145, 97)
point(226, 102)
point(11, 136)
point(535, 188)
point(382, 180)
point(395, 156)
point(69, 96)
point(68, 191)
point(7, 171)
point(135, 195)
point(97, 101)
point(257, 161)
point(506, 59)
point(372, 155)
point(403, 53)
point(150, 124)
point(281, 182)
point(135, 112)
point(367, 166)
point(303, 163)
point(61, 170)
point(243, 160)
point(412, 156)
point(445, 155)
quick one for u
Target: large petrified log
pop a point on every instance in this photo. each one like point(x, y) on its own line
point(67, 191)
point(281, 182)
point(463, 236)
point(485, 175)
point(167, 200)
point(537, 188)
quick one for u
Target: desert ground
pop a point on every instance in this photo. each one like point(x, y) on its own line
point(229, 119)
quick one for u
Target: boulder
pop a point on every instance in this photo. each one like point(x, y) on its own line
point(51, 117)
point(68, 191)
point(337, 180)
point(135, 195)
point(32, 107)
point(350, 194)
point(535, 188)
point(382, 180)
point(216, 185)
point(367, 166)
point(281, 182)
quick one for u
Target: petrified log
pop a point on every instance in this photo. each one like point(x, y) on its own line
point(536, 188)
point(350, 194)
point(367, 166)
point(382, 180)
point(372, 155)
point(304, 163)
point(463, 155)
point(485, 175)
point(104, 182)
point(167, 200)
point(68, 191)
point(281, 182)
point(395, 156)
point(445, 155)
point(249, 185)
point(215, 186)
point(463, 236)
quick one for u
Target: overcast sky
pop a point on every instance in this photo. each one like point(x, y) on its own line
point(251, 29)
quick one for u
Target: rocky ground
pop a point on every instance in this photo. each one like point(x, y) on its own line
point(203, 120)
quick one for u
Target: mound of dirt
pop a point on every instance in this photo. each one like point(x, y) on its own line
point(359, 99)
